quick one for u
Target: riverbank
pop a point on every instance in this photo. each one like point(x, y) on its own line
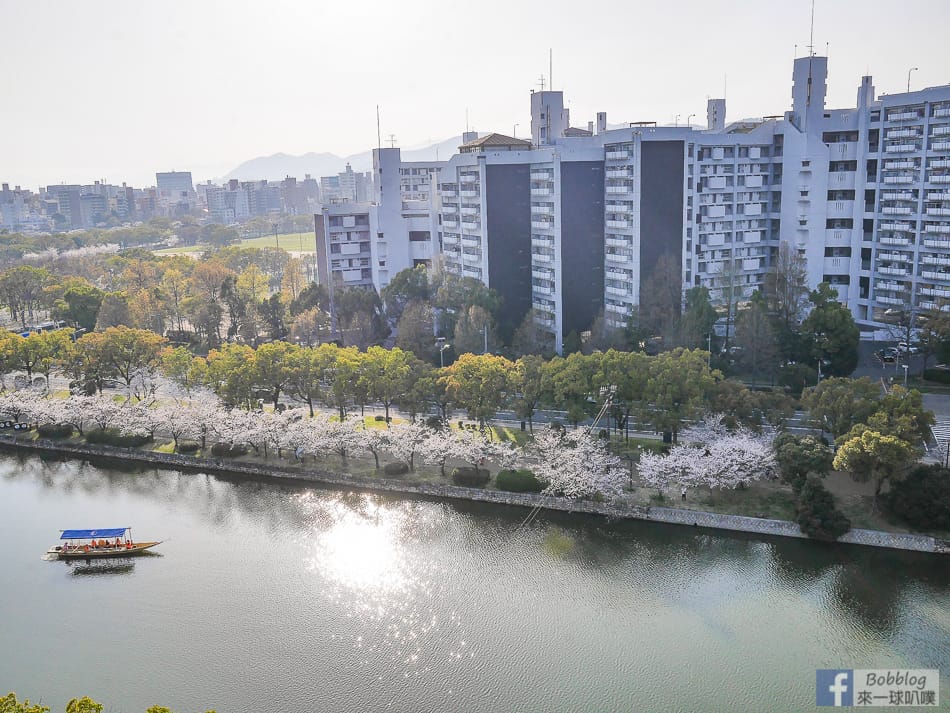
point(677, 516)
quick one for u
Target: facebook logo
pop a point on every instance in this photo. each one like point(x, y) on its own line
point(834, 687)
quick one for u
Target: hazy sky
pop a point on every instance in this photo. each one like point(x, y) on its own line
point(119, 90)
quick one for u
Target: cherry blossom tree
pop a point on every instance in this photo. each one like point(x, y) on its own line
point(576, 465)
point(404, 440)
point(374, 440)
point(436, 449)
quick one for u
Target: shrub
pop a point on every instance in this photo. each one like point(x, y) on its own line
point(817, 515)
point(115, 437)
point(798, 457)
point(55, 430)
point(188, 446)
point(922, 499)
point(379, 418)
point(518, 481)
point(795, 377)
point(435, 423)
point(941, 376)
point(471, 477)
point(228, 450)
point(395, 470)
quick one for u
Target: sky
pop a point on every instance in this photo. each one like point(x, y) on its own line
point(118, 90)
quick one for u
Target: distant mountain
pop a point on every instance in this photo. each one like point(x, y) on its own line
point(276, 167)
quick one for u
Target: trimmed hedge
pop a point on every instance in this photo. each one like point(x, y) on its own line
point(188, 446)
point(941, 376)
point(229, 450)
point(114, 437)
point(518, 481)
point(395, 470)
point(471, 477)
point(55, 430)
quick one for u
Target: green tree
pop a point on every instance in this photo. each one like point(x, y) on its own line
point(901, 413)
point(414, 330)
point(83, 705)
point(677, 385)
point(662, 297)
point(531, 338)
point(626, 375)
point(22, 291)
point(839, 404)
point(698, 319)
point(873, 456)
point(922, 499)
point(573, 383)
point(407, 286)
point(271, 369)
point(229, 373)
point(799, 457)
point(78, 304)
point(10, 704)
point(756, 337)
point(387, 373)
point(529, 385)
point(478, 384)
point(131, 354)
point(473, 330)
point(786, 286)
point(817, 515)
point(114, 311)
point(179, 365)
point(835, 334)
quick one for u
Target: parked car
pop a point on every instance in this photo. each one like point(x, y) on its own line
point(905, 348)
point(888, 355)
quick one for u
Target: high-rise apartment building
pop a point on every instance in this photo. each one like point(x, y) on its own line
point(176, 192)
point(576, 220)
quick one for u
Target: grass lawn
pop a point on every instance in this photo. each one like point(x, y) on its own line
point(183, 250)
point(291, 242)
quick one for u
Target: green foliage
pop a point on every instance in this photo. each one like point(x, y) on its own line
point(54, 430)
point(797, 377)
point(801, 456)
point(229, 450)
point(115, 437)
point(839, 404)
point(395, 470)
point(518, 481)
point(817, 515)
point(941, 376)
point(871, 455)
point(902, 414)
point(187, 447)
point(922, 499)
point(83, 705)
point(469, 477)
point(836, 334)
point(409, 285)
point(10, 704)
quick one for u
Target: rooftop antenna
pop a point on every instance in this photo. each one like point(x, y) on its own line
point(541, 82)
point(811, 32)
point(466, 120)
point(392, 141)
point(551, 69)
point(379, 139)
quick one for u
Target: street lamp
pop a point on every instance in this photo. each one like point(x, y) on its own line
point(276, 240)
point(905, 367)
point(912, 69)
point(688, 119)
point(443, 345)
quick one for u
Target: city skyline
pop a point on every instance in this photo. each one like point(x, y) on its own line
point(201, 92)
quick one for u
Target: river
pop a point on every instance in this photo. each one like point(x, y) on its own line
point(278, 597)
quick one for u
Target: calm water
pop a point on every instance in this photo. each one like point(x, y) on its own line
point(281, 598)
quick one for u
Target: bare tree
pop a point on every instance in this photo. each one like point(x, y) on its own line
point(786, 285)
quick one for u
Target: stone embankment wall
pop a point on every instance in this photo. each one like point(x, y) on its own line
point(678, 516)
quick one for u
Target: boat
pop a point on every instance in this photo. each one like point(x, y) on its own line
point(101, 543)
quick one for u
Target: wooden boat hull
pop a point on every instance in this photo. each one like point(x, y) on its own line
point(78, 553)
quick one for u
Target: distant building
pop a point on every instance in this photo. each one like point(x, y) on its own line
point(346, 186)
point(176, 193)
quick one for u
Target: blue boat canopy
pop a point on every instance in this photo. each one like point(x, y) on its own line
point(89, 534)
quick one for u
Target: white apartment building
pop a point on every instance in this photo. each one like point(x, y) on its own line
point(176, 192)
point(366, 243)
point(862, 193)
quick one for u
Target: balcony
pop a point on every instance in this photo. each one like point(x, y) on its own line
point(469, 210)
point(896, 165)
point(449, 193)
point(450, 239)
point(542, 191)
point(901, 148)
point(942, 112)
point(940, 146)
point(892, 240)
point(750, 237)
point(938, 211)
point(619, 173)
point(618, 258)
point(619, 190)
point(618, 243)
point(469, 193)
point(542, 242)
point(896, 271)
point(450, 223)
point(542, 257)
point(617, 291)
point(542, 209)
point(902, 116)
point(835, 235)
point(902, 133)
point(841, 179)
point(939, 179)
point(889, 286)
point(935, 291)
point(883, 299)
point(904, 196)
point(899, 179)
point(940, 163)
point(942, 260)
point(906, 227)
point(618, 224)
point(939, 196)
point(542, 224)
point(937, 244)
point(475, 272)
point(471, 241)
point(840, 209)
point(542, 175)
point(897, 210)
point(618, 155)
point(894, 257)
point(541, 273)
point(714, 183)
point(542, 289)
point(751, 264)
